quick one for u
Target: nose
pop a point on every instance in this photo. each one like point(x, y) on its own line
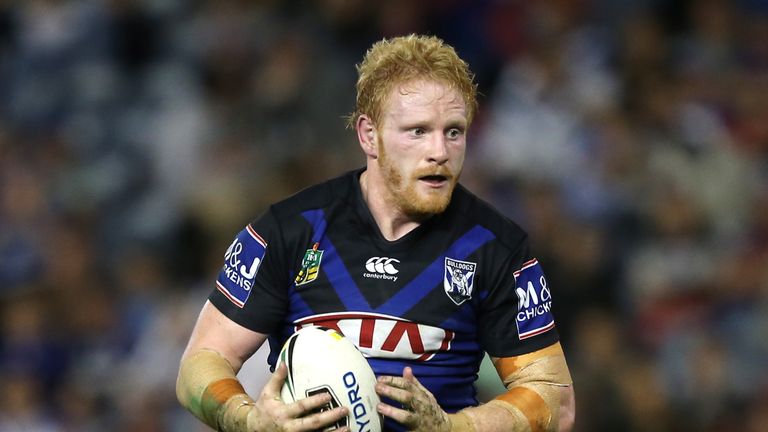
point(438, 150)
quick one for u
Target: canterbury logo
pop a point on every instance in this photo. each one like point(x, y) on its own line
point(382, 265)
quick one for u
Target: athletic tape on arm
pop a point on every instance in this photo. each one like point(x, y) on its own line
point(461, 422)
point(534, 382)
point(208, 388)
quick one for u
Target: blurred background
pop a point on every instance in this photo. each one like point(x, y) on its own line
point(629, 137)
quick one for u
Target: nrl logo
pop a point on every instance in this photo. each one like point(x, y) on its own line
point(310, 265)
point(459, 280)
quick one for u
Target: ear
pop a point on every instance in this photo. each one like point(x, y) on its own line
point(366, 136)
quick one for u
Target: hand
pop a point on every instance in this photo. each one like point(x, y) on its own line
point(271, 414)
point(420, 411)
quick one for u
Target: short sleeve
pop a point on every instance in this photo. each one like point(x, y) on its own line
point(250, 288)
point(516, 316)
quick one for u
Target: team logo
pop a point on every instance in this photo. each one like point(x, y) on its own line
point(534, 301)
point(310, 265)
point(381, 268)
point(241, 263)
point(382, 265)
point(459, 279)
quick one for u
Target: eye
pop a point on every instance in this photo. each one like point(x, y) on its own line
point(418, 131)
point(454, 133)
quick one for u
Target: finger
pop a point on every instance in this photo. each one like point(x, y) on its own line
point(394, 381)
point(403, 396)
point(408, 374)
point(318, 421)
point(401, 416)
point(306, 405)
point(275, 384)
point(411, 379)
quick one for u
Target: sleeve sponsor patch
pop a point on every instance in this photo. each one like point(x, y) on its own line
point(534, 301)
point(241, 263)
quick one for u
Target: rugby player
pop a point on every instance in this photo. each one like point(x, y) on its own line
point(423, 276)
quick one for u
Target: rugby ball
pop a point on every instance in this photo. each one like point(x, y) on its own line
point(322, 360)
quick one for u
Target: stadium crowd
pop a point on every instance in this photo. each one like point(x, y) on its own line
point(629, 138)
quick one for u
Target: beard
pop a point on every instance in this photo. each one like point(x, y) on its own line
point(403, 191)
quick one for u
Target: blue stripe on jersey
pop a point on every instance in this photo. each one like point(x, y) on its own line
point(299, 307)
point(463, 321)
point(423, 284)
point(317, 219)
point(333, 267)
point(461, 370)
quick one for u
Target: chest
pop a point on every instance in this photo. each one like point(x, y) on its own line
point(425, 281)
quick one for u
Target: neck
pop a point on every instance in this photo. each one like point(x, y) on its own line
point(392, 222)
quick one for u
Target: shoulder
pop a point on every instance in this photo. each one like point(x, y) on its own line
point(477, 212)
point(289, 216)
point(333, 192)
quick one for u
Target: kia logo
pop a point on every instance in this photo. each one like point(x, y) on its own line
point(383, 265)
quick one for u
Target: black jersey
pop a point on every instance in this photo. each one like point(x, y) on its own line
point(461, 283)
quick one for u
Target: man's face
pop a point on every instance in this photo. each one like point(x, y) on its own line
point(421, 145)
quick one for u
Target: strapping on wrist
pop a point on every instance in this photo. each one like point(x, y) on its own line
point(207, 386)
point(234, 413)
point(460, 422)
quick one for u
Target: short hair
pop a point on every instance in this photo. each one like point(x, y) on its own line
point(398, 60)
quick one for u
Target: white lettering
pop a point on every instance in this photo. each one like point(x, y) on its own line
point(535, 311)
point(526, 296)
point(380, 276)
point(228, 253)
point(237, 279)
point(251, 272)
point(232, 254)
point(232, 275)
point(460, 265)
point(545, 294)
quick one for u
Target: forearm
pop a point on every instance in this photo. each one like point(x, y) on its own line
point(208, 388)
point(539, 398)
point(525, 409)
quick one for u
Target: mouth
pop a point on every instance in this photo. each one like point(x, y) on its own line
point(435, 180)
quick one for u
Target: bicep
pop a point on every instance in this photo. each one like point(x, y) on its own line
point(215, 331)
